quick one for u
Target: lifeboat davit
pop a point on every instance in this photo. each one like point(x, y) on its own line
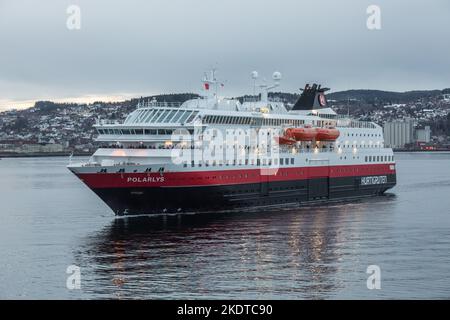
point(327, 134)
point(302, 134)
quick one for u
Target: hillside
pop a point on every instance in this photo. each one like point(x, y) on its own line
point(372, 96)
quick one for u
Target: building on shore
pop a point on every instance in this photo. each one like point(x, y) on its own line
point(399, 133)
point(423, 134)
point(28, 148)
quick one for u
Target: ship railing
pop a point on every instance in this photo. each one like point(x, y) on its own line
point(105, 121)
point(250, 99)
point(158, 104)
point(257, 99)
point(295, 150)
point(91, 164)
point(351, 123)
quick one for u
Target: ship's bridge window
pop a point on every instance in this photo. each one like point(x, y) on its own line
point(151, 131)
point(162, 116)
point(185, 116)
point(148, 116)
point(169, 116)
point(165, 131)
point(177, 116)
point(192, 117)
point(156, 116)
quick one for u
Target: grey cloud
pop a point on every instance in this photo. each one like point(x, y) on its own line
point(166, 45)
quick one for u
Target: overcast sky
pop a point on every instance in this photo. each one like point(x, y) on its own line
point(132, 48)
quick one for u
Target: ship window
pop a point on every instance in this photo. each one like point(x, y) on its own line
point(139, 131)
point(176, 116)
point(162, 116)
point(138, 116)
point(292, 160)
point(184, 116)
point(169, 116)
point(192, 117)
point(145, 115)
point(281, 161)
point(179, 116)
point(148, 116)
point(156, 116)
point(126, 131)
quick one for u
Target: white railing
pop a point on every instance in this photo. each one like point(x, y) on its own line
point(158, 104)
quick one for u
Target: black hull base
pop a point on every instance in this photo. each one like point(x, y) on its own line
point(134, 201)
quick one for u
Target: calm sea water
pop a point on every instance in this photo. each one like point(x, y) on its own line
point(50, 220)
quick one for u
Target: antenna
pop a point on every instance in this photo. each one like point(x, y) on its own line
point(348, 106)
point(276, 76)
point(254, 77)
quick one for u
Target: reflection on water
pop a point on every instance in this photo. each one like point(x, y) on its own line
point(271, 254)
point(50, 220)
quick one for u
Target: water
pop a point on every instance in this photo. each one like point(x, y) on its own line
point(50, 220)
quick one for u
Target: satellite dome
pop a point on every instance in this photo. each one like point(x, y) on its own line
point(276, 76)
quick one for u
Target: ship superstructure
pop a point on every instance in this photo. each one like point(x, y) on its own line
point(213, 153)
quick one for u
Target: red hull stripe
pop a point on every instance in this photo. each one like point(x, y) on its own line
point(229, 177)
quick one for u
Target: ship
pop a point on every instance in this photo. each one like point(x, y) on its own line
point(217, 154)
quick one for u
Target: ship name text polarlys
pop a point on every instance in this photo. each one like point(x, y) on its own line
point(145, 179)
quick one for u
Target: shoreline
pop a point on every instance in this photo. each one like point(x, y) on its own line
point(419, 151)
point(85, 154)
point(43, 154)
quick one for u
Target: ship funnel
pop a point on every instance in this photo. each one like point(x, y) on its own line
point(311, 98)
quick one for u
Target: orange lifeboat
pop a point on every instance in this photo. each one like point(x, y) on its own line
point(327, 134)
point(285, 140)
point(302, 134)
